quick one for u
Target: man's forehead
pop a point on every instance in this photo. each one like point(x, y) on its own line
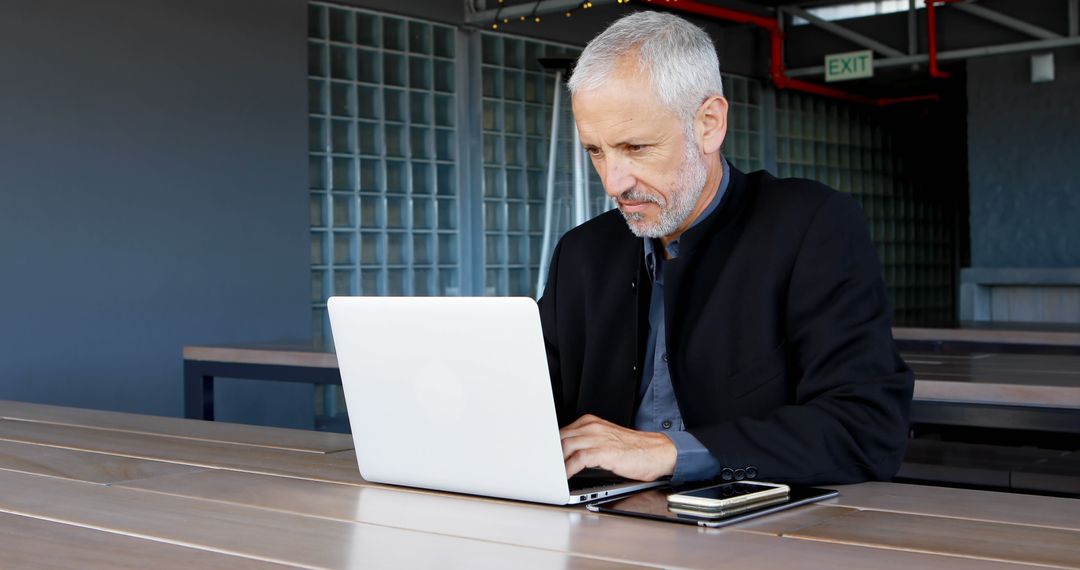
point(612, 113)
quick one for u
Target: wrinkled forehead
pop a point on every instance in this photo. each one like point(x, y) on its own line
point(603, 120)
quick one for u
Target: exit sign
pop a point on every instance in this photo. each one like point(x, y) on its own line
point(849, 65)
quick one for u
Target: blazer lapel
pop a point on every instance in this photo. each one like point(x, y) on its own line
point(703, 253)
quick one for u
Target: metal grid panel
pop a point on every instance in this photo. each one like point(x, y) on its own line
point(853, 150)
point(383, 156)
point(516, 128)
point(744, 146)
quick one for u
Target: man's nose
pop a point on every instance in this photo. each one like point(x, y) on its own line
point(618, 178)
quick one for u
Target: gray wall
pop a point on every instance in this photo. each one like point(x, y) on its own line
point(1024, 147)
point(152, 194)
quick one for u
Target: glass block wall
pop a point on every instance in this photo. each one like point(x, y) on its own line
point(518, 99)
point(383, 156)
point(744, 146)
point(854, 149)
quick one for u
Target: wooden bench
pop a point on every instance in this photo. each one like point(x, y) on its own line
point(312, 363)
point(1026, 469)
point(991, 337)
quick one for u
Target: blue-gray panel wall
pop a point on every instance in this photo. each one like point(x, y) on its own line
point(1024, 148)
point(153, 193)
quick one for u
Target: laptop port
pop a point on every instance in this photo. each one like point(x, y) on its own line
point(592, 496)
point(582, 498)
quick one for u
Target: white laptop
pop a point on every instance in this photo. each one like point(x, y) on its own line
point(453, 393)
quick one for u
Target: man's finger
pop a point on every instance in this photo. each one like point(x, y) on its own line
point(574, 444)
point(565, 433)
point(593, 428)
point(583, 459)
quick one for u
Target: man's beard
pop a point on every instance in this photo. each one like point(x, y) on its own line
point(685, 191)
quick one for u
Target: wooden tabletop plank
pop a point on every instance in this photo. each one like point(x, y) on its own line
point(1001, 394)
point(27, 542)
point(298, 440)
point(1012, 335)
point(262, 534)
point(988, 506)
point(337, 467)
point(990, 362)
point(81, 465)
point(569, 529)
point(951, 536)
point(1051, 381)
point(788, 522)
point(971, 375)
point(275, 355)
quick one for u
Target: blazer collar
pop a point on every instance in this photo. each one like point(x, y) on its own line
point(719, 216)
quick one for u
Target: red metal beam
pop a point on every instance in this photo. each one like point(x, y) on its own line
point(719, 13)
point(931, 37)
point(776, 61)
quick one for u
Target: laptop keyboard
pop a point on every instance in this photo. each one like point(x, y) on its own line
point(592, 478)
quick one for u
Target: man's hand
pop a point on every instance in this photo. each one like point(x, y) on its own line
point(593, 442)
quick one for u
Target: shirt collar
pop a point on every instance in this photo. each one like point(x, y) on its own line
point(651, 244)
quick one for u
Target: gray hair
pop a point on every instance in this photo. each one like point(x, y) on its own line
point(678, 56)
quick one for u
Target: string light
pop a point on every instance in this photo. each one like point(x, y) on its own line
point(587, 4)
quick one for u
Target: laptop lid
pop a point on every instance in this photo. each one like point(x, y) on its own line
point(450, 393)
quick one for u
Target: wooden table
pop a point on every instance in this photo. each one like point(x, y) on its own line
point(90, 489)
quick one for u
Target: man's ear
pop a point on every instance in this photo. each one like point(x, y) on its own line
point(712, 124)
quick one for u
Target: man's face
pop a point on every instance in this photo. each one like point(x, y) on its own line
point(641, 152)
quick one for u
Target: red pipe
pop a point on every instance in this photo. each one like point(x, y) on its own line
point(931, 37)
point(776, 62)
point(724, 14)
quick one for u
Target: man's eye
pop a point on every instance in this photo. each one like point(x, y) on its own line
point(635, 147)
point(593, 151)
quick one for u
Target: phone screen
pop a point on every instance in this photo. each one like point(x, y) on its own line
point(729, 490)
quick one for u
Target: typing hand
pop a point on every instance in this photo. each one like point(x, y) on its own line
point(594, 442)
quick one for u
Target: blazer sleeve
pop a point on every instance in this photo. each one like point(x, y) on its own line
point(852, 391)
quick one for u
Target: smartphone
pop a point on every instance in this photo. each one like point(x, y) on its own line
point(727, 496)
point(729, 511)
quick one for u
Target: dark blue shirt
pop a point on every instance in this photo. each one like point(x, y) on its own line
point(659, 411)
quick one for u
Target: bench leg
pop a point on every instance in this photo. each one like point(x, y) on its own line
point(198, 394)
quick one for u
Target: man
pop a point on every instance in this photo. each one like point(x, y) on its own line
point(720, 324)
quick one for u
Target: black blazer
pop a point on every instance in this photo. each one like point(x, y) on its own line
point(778, 333)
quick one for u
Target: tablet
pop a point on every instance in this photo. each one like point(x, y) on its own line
point(653, 504)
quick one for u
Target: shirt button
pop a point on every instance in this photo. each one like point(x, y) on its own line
point(664, 357)
point(740, 474)
point(727, 474)
point(666, 424)
point(751, 472)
